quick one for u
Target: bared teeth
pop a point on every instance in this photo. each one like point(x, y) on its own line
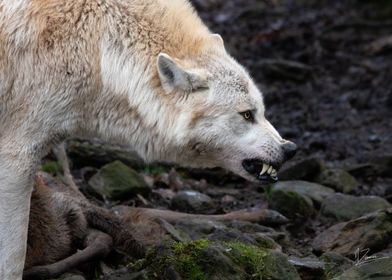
point(264, 169)
point(268, 169)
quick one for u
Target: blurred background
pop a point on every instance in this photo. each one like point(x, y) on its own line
point(324, 68)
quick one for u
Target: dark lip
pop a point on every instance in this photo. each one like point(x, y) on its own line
point(254, 166)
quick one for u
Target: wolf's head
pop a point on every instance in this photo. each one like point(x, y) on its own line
point(222, 120)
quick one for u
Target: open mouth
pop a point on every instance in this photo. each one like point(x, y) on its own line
point(263, 172)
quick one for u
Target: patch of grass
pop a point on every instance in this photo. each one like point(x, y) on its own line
point(249, 257)
point(185, 257)
point(52, 167)
point(154, 170)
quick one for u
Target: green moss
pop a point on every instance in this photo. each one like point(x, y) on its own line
point(154, 170)
point(203, 259)
point(52, 167)
point(250, 258)
point(187, 258)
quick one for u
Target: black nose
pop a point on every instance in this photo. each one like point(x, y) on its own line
point(289, 149)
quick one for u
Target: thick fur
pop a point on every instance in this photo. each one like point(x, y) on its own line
point(147, 73)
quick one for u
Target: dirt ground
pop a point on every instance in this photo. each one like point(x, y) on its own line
point(327, 84)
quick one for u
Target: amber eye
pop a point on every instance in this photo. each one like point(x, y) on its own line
point(248, 115)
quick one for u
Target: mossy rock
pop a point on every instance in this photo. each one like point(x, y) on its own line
point(118, 181)
point(203, 259)
point(338, 179)
point(290, 204)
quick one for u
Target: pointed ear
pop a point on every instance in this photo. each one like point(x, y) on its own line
point(218, 38)
point(174, 77)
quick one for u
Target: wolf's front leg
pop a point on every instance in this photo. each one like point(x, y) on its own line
point(15, 192)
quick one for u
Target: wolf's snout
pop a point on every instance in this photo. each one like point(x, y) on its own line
point(289, 149)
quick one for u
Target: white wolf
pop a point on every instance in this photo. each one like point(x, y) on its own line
point(144, 72)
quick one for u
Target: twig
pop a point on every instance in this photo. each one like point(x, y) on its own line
point(62, 157)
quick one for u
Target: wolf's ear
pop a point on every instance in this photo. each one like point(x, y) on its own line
point(173, 77)
point(218, 38)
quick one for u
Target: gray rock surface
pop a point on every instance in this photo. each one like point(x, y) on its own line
point(373, 232)
point(346, 207)
point(316, 192)
point(193, 202)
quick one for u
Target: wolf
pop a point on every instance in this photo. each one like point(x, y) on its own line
point(146, 73)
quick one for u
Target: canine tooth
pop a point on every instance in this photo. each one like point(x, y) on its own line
point(270, 170)
point(264, 169)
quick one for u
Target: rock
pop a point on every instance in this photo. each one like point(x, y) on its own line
point(373, 269)
point(265, 241)
point(277, 266)
point(335, 264)
point(293, 198)
point(309, 268)
point(338, 179)
point(203, 259)
point(193, 202)
point(290, 204)
point(97, 153)
point(232, 235)
point(301, 170)
point(199, 228)
point(373, 232)
point(346, 207)
point(118, 181)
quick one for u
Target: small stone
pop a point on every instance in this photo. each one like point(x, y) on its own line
point(227, 199)
point(338, 179)
point(193, 202)
point(346, 207)
point(309, 268)
point(373, 232)
point(118, 181)
point(301, 170)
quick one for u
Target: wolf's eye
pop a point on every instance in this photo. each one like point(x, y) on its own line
point(248, 115)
